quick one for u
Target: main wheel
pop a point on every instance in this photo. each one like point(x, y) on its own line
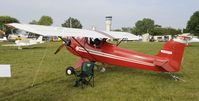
point(70, 70)
point(102, 69)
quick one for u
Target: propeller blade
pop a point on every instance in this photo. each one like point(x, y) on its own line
point(59, 48)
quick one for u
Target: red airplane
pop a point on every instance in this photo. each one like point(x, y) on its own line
point(167, 60)
point(79, 43)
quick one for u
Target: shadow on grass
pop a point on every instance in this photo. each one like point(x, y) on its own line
point(27, 48)
point(109, 69)
point(134, 72)
point(7, 94)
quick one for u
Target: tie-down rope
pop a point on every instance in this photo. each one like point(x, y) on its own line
point(38, 69)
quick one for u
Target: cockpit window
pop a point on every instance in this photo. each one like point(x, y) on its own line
point(95, 42)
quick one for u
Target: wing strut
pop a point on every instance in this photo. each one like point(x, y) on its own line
point(84, 48)
point(118, 43)
point(68, 46)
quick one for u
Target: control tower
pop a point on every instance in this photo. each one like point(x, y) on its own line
point(108, 23)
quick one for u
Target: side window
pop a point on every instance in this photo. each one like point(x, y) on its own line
point(90, 42)
point(97, 43)
point(94, 42)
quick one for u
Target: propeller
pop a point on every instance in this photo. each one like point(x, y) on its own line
point(59, 48)
point(66, 43)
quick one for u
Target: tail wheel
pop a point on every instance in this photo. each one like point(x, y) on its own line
point(70, 70)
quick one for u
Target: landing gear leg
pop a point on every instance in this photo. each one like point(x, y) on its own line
point(176, 78)
point(101, 67)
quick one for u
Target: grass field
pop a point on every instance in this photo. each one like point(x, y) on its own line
point(116, 84)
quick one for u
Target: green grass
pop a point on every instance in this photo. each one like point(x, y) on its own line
point(116, 84)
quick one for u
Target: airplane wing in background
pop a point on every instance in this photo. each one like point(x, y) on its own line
point(193, 40)
point(17, 45)
point(71, 32)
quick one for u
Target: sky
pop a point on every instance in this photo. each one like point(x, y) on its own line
point(125, 13)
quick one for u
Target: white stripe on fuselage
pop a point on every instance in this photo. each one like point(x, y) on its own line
point(94, 52)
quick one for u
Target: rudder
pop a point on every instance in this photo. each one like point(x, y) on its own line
point(173, 52)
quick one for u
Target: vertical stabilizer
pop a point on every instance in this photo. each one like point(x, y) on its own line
point(173, 52)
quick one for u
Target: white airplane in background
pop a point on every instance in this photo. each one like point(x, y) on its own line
point(2, 36)
point(3, 39)
point(188, 38)
point(194, 39)
point(26, 42)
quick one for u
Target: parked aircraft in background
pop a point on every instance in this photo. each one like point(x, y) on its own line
point(26, 42)
point(3, 39)
point(189, 38)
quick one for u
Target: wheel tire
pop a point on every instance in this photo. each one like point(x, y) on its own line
point(102, 69)
point(70, 70)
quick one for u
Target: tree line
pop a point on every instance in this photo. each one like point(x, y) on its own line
point(145, 25)
point(44, 20)
point(148, 25)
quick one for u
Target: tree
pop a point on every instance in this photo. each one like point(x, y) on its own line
point(165, 31)
point(126, 29)
point(148, 25)
point(143, 26)
point(44, 20)
point(157, 26)
point(72, 22)
point(193, 24)
point(4, 20)
point(117, 30)
point(34, 22)
point(136, 31)
point(8, 19)
point(185, 30)
point(158, 31)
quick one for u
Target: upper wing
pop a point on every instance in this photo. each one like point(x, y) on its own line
point(57, 31)
point(73, 32)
